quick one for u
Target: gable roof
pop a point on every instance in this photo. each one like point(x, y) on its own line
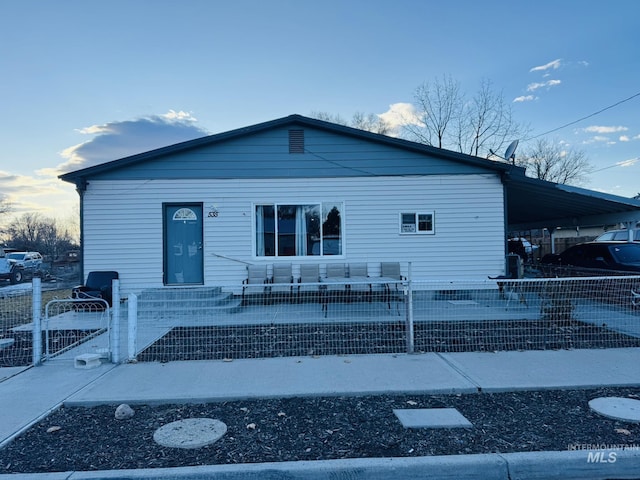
point(531, 203)
point(292, 121)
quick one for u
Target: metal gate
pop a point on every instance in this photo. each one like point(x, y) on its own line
point(73, 327)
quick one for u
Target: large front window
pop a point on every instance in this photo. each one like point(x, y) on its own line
point(286, 230)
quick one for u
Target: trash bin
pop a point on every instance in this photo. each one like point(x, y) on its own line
point(515, 267)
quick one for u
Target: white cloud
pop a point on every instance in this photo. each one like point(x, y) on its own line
point(180, 116)
point(532, 87)
point(35, 193)
point(525, 98)
point(596, 139)
point(120, 139)
point(45, 193)
point(555, 64)
point(624, 138)
point(605, 129)
point(400, 114)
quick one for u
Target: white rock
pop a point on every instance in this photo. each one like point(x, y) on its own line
point(124, 412)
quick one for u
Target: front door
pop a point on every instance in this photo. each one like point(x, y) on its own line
point(183, 244)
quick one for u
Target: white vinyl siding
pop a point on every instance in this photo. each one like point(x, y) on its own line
point(123, 223)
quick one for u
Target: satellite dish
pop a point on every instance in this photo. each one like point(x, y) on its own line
point(510, 152)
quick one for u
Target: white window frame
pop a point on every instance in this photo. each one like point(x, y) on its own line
point(405, 228)
point(320, 204)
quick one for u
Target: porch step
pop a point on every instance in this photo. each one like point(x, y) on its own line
point(189, 302)
point(177, 293)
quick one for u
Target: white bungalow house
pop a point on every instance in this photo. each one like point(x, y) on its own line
point(297, 190)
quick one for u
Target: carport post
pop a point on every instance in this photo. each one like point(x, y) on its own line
point(409, 303)
point(36, 354)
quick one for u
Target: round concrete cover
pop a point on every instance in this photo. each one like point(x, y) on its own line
point(190, 433)
point(619, 408)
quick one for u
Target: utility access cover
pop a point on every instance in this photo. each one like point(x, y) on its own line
point(619, 408)
point(190, 433)
point(431, 418)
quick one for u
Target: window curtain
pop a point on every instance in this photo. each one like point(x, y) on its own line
point(260, 231)
point(301, 230)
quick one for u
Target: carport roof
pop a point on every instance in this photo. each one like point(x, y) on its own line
point(533, 203)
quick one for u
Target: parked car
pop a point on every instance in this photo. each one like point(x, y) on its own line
point(522, 247)
point(619, 235)
point(19, 266)
point(611, 255)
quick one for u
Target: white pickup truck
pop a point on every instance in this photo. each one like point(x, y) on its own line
point(18, 266)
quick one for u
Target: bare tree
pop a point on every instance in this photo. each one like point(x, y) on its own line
point(449, 120)
point(33, 232)
point(5, 208)
point(5, 205)
point(439, 104)
point(554, 162)
point(486, 123)
point(23, 231)
point(369, 122)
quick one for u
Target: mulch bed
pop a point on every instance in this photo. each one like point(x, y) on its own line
point(319, 428)
point(280, 340)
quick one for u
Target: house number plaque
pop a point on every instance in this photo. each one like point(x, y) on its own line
point(213, 211)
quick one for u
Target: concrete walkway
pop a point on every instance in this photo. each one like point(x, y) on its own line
point(29, 396)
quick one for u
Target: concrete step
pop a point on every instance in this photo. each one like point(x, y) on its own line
point(187, 302)
point(215, 301)
point(171, 293)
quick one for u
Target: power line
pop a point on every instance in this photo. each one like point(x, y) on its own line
point(588, 116)
point(624, 163)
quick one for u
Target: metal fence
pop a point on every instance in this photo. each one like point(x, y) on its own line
point(16, 310)
point(74, 326)
point(407, 316)
point(39, 325)
point(311, 319)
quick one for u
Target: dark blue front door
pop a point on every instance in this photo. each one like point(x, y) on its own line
point(183, 244)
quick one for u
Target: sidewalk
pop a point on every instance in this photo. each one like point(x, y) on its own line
point(32, 394)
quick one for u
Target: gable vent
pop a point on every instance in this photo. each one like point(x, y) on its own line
point(296, 141)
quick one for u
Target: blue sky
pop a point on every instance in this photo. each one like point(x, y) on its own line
point(86, 82)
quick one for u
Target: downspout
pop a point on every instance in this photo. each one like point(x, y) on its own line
point(505, 178)
point(81, 187)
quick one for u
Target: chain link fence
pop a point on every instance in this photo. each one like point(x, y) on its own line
point(39, 322)
point(368, 316)
point(405, 316)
